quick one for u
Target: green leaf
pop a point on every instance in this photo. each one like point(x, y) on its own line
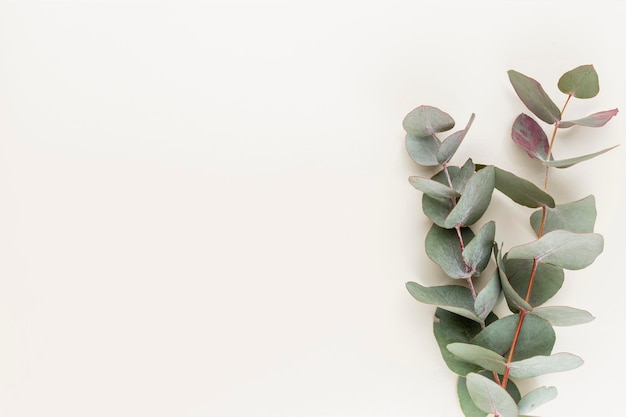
point(534, 97)
point(564, 316)
point(454, 298)
point(450, 145)
point(581, 82)
point(521, 191)
point(426, 121)
point(562, 248)
point(541, 365)
point(490, 397)
point(514, 300)
point(460, 177)
point(443, 248)
point(449, 328)
point(478, 355)
point(529, 136)
point(488, 297)
point(474, 201)
point(433, 188)
point(566, 163)
point(423, 149)
point(478, 251)
point(578, 216)
point(548, 280)
point(467, 404)
point(536, 398)
point(598, 119)
point(536, 337)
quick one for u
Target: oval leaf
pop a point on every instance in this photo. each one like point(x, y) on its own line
point(521, 191)
point(423, 149)
point(490, 397)
point(488, 297)
point(564, 316)
point(536, 337)
point(478, 251)
point(454, 298)
point(562, 248)
point(433, 188)
point(534, 97)
point(548, 281)
point(511, 294)
point(531, 137)
point(475, 199)
point(450, 145)
point(478, 355)
point(566, 163)
point(449, 328)
point(581, 82)
point(444, 248)
point(536, 398)
point(467, 404)
point(541, 365)
point(578, 216)
point(598, 119)
point(426, 121)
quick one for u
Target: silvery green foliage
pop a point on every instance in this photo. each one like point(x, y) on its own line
point(487, 352)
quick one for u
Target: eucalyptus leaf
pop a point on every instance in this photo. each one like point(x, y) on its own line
point(488, 297)
point(460, 177)
point(521, 191)
point(467, 404)
point(512, 295)
point(578, 216)
point(598, 119)
point(437, 209)
point(490, 397)
point(562, 248)
point(449, 328)
point(536, 398)
point(541, 365)
point(426, 121)
point(581, 82)
point(536, 337)
point(474, 201)
point(478, 251)
point(423, 149)
point(566, 163)
point(443, 248)
point(454, 298)
point(563, 315)
point(478, 355)
point(450, 145)
point(528, 135)
point(548, 280)
point(433, 188)
point(534, 97)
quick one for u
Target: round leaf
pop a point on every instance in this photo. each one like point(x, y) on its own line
point(450, 328)
point(467, 404)
point(548, 280)
point(443, 248)
point(536, 336)
point(490, 397)
point(422, 149)
point(581, 82)
point(426, 121)
point(578, 216)
point(536, 398)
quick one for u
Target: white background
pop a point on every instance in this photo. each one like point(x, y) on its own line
point(205, 208)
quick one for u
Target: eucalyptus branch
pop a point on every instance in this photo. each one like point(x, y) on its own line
point(489, 353)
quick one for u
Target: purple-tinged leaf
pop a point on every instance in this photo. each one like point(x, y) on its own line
point(598, 119)
point(534, 97)
point(565, 163)
point(527, 133)
point(581, 82)
point(451, 143)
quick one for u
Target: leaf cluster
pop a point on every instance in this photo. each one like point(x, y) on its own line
point(490, 352)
